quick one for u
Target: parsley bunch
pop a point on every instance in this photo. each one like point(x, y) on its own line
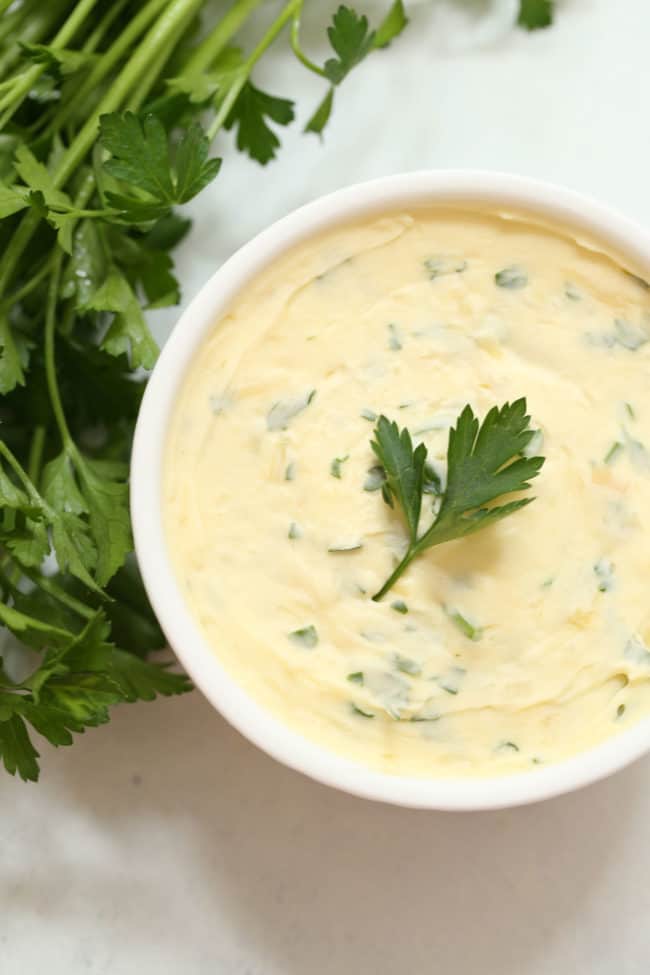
point(107, 114)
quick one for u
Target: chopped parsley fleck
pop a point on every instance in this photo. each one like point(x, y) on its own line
point(354, 546)
point(218, 404)
point(463, 624)
point(450, 682)
point(514, 278)
point(636, 651)
point(605, 573)
point(356, 677)
point(363, 714)
point(306, 637)
point(399, 606)
point(368, 414)
point(290, 472)
point(613, 452)
point(620, 711)
point(428, 711)
point(336, 466)
point(407, 666)
point(295, 531)
point(572, 292)
point(630, 336)
point(507, 746)
point(282, 412)
point(393, 338)
point(437, 267)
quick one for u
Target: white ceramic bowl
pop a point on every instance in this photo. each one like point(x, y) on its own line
point(200, 660)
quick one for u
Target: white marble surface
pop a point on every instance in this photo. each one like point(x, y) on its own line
point(166, 843)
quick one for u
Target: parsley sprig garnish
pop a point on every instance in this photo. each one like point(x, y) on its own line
point(484, 463)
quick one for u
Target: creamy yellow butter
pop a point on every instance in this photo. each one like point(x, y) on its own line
point(519, 645)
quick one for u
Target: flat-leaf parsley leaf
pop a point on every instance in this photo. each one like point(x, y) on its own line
point(484, 462)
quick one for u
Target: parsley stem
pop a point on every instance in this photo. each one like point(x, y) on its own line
point(148, 81)
point(94, 39)
point(296, 48)
point(58, 592)
point(411, 553)
point(266, 41)
point(165, 27)
point(26, 80)
point(36, 26)
point(211, 46)
point(50, 363)
point(35, 460)
point(28, 287)
point(21, 475)
point(16, 246)
point(107, 62)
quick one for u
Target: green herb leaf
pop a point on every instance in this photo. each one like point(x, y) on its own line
point(140, 153)
point(106, 495)
point(36, 176)
point(484, 463)
point(11, 201)
point(11, 366)
point(352, 40)
point(249, 114)
point(128, 333)
point(141, 159)
point(16, 749)
point(321, 116)
point(534, 14)
point(392, 25)
point(59, 61)
point(404, 468)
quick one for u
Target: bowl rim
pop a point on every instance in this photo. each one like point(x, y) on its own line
point(462, 188)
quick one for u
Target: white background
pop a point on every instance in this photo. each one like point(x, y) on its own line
point(165, 842)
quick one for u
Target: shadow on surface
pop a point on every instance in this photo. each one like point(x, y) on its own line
point(210, 831)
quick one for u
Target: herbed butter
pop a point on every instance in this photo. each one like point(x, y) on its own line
point(511, 648)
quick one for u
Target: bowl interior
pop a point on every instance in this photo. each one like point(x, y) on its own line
point(585, 219)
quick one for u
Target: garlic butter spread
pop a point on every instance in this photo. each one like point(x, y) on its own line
point(517, 646)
